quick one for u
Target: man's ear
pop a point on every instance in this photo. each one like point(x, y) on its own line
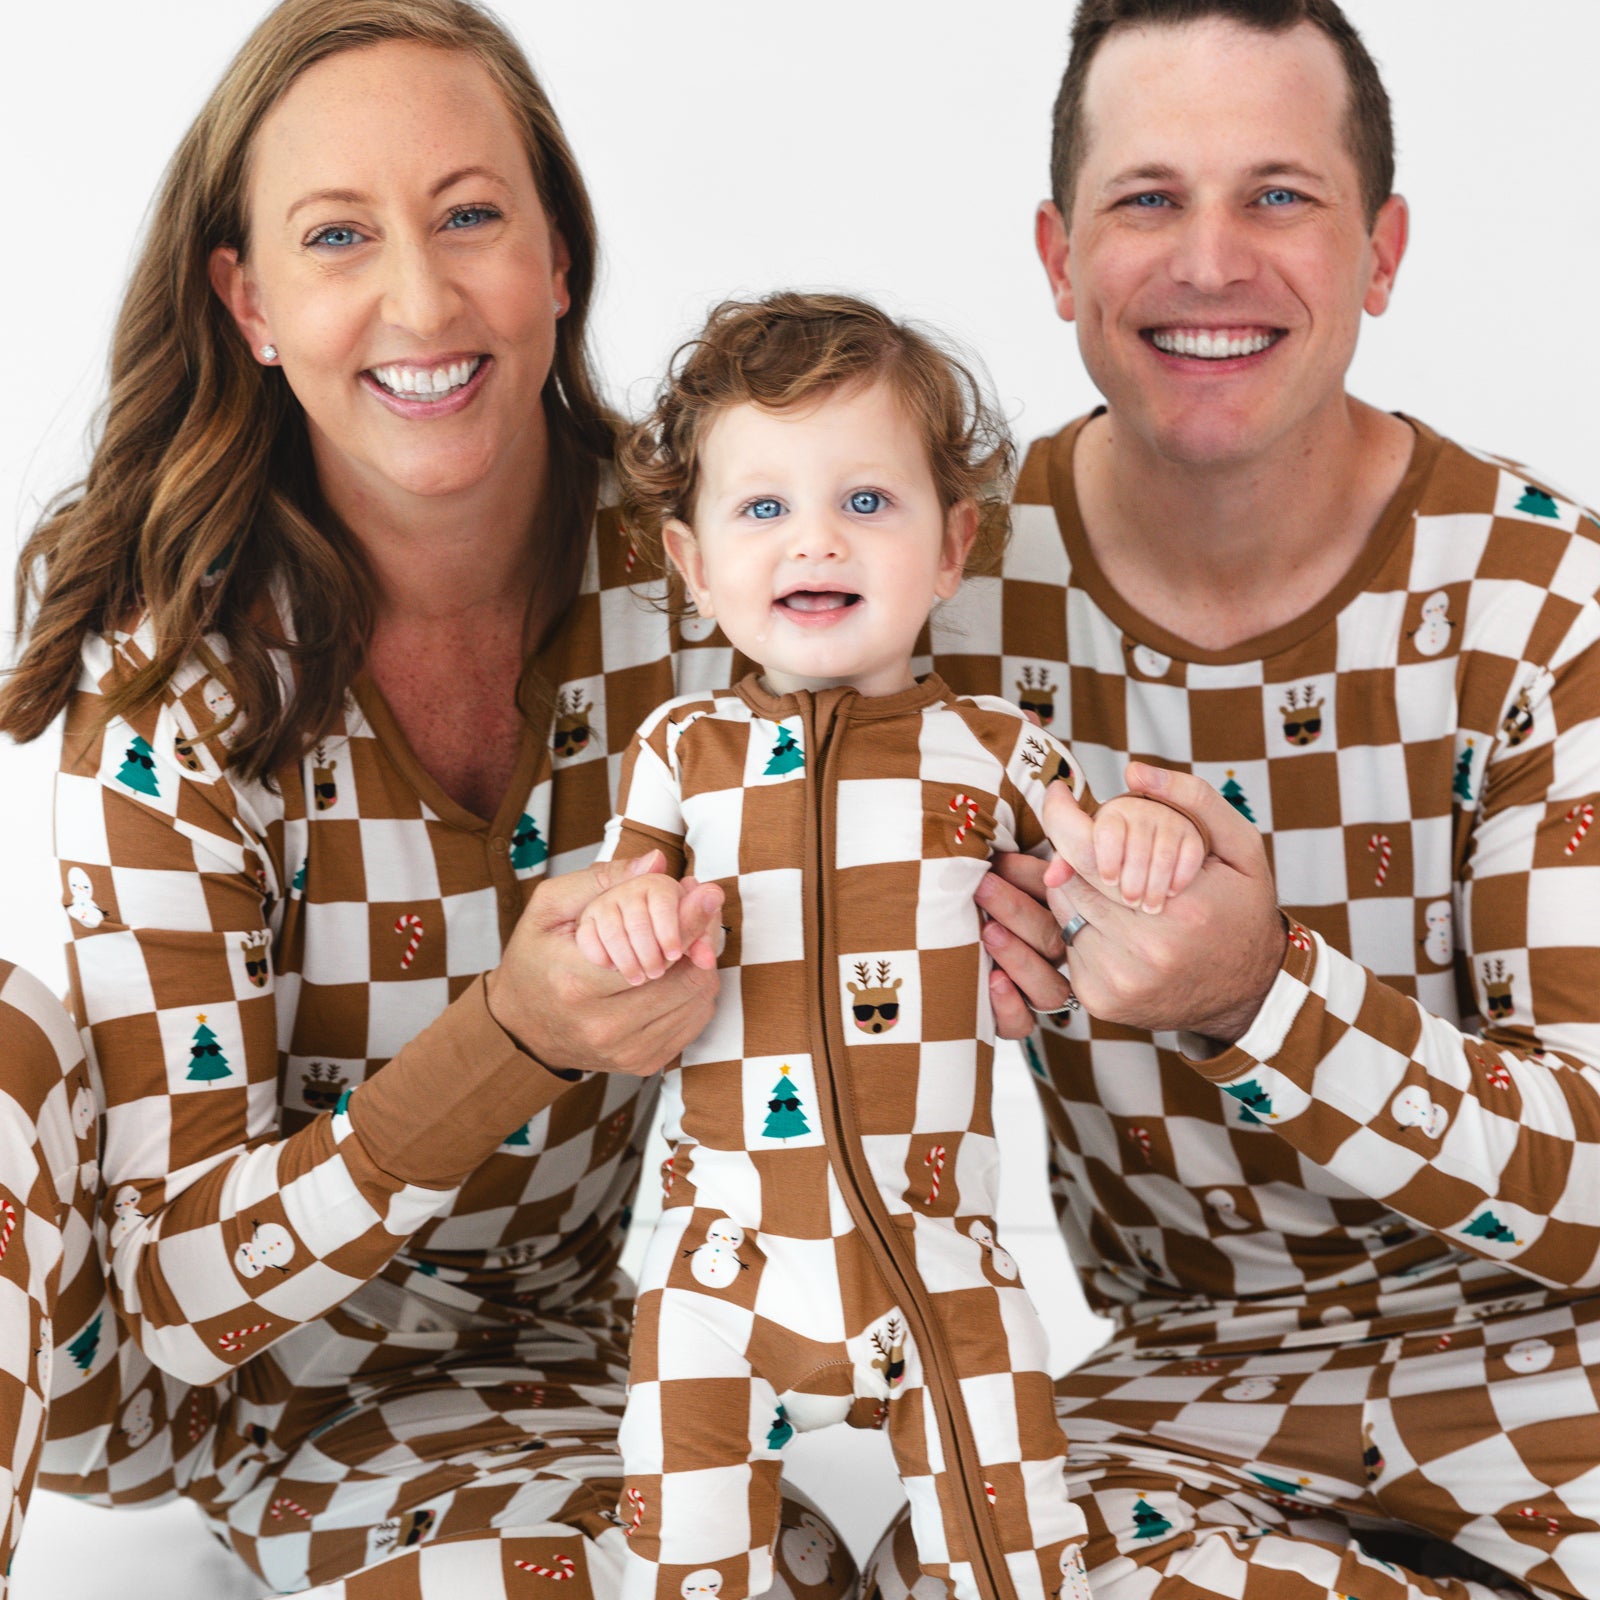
point(1390, 231)
point(234, 285)
point(960, 530)
point(683, 550)
point(1050, 240)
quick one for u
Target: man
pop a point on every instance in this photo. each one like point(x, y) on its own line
point(1344, 1203)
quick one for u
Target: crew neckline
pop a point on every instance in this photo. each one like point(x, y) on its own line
point(858, 707)
point(1088, 576)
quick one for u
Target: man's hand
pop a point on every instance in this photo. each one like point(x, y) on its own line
point(1205, 965)
point(571, 1013)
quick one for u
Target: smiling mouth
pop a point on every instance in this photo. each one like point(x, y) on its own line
point(817, 601)
point(1213, 344)
point(426, 383)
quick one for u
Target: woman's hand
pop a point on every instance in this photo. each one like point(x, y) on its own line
point(570, 1013)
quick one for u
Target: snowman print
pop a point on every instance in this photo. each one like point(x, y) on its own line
point(82, 1111)
point(269, 1245)
point(1074, 1580)
point(806, 1549)
point(1000, 1259)
point(1436, 942)
point(1432, 634)
point(1251, 1389)
point(706, 1584)
point(716, 1263)
point(1414, 1108)
point(125, 1207)
point(1530, 1355)
point(218, 701)
point(1148, 663)
point(137, 1421)
point(1227, 1209)
point(83, 909)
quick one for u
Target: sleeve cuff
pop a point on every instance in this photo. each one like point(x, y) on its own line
point(1264, 1039)
point(435, 1112)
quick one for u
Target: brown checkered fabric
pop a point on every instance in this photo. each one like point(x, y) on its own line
point(1408, 1136)
point(826, 1250)
point(362, 1250)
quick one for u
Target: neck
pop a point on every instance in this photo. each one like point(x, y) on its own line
point(437, 557)
point(1219, 553)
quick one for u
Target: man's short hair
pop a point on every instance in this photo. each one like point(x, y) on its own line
point(1369, 126)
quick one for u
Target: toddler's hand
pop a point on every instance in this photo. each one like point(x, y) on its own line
point(636, 928)
point(1146, 851)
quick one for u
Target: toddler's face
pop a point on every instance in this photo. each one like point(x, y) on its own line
point(819, 543)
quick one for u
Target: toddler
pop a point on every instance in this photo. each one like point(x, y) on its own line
point(820, 476)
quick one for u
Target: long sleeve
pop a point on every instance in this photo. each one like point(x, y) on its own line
point(1489, 1138)
point(225, 1232)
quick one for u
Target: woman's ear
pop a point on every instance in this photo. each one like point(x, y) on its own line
point(234, 285)
point(960, 530)
point(683, 550)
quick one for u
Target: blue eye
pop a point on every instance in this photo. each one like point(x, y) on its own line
point(337, 238)
point(1148, 202)
point(471, 216)
point(866, 501)
point(764, 510)
point(1279, 197)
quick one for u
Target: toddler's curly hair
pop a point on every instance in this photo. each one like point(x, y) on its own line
point(786, 350)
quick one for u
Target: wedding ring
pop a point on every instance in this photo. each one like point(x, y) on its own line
point(1072, 929)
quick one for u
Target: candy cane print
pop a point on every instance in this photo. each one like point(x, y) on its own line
point(1298, 937)
point(935, 1159)
point(563, 1568)
point(408, 919)
point(668, 1173)
point(8, 1226)
point(1550, 1523)
point(1379, 843)
point(1583, 815)
point(284, 1503)
point(971, 807)
point(234, 1338)
point(636, 1521)
point(1141, 1137)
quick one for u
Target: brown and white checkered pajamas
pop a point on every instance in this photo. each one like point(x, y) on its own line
point(826, 1250)
point(1353, 1259)
point(362, 1303)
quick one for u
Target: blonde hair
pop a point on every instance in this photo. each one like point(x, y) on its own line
point(786, 350)
point(201, 490)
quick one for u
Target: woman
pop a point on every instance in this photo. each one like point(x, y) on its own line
point(345, 648)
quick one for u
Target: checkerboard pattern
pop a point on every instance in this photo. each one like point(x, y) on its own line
point(1418, 1100)
point(355, 1278)
point(833, 1169)
point(1246, 1473)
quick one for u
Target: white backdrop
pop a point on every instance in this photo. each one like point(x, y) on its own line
point(896, 147)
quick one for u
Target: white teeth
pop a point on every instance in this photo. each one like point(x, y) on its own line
point(1210, 344)
point(427, 383)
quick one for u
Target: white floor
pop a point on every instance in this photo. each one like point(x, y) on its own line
point(77, 1552)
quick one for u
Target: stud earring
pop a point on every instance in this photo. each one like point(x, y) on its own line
point(561, 310)
point(269, 352)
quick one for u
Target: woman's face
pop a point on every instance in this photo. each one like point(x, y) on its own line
point(401, 263)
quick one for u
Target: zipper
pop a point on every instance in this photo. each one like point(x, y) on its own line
point(979, 1528)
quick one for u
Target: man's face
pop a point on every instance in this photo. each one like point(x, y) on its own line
point(1218, 259)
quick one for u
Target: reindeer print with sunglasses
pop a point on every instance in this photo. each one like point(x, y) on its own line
point(876, 1006)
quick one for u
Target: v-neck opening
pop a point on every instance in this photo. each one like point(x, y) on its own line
point(386, 727)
